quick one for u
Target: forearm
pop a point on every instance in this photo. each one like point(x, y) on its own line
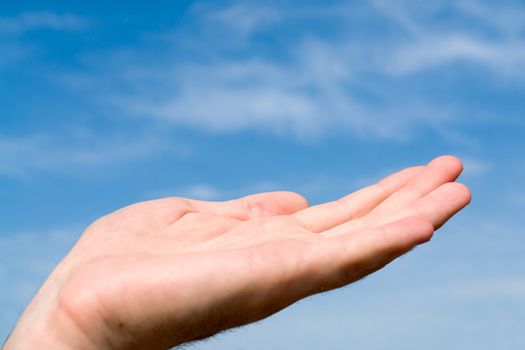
point(37, 328)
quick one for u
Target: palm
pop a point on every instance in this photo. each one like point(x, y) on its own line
point(159, 267)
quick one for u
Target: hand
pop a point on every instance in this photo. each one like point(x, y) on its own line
point(160, 273)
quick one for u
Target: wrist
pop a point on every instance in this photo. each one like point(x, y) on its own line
point(44, 325)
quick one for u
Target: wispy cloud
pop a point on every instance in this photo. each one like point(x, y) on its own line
point(20, 156)
point(502, 57)
point(508, 18)
point(316, 84)
point(212, 192)
point(42, 20)
point(242, 17)
point(494, 288)
point(201, 191)
point(474, 167)
point(15, 50)
point(25, 264)
point(307, 96)
point(316, 187)
point(492, 40)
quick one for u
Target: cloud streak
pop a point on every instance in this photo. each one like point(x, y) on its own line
point(31, 21)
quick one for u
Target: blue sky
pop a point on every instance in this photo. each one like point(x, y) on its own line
point(104, 104)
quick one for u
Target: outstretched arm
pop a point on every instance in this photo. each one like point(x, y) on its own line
point(161, 273)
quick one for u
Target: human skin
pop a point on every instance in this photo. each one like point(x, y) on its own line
point(161, 273)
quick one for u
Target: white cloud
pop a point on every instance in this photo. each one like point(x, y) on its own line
point(201, 191)
point(14, 50)
point(517, 198)
point(316, 187)
point(474, 167)
point(217, 107)
point(42, 20)
point(242, 17)
point(317, 88)
point(508, 18)
point(503, 57)
point(19, 156)
point(432, 43)
point(493, 288)
point(306, 97)
point(206, 191)
point(26, 259)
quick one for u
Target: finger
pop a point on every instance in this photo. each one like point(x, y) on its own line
point(349, 257)
point(324, 216)
point(437, 207)
point(253, 206)
point(290, 269)
point(438, 172)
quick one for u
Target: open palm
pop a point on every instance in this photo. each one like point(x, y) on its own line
point(164, 272)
